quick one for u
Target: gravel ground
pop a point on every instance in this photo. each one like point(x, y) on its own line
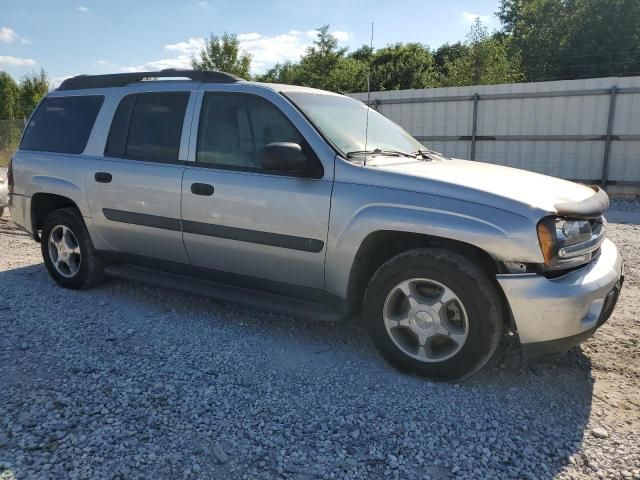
point(126, 381)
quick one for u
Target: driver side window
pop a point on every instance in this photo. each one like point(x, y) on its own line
point(234, 127)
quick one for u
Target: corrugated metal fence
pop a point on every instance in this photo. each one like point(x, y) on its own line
point(585, 130)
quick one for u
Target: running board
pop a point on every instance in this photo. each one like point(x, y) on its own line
point(273, 302)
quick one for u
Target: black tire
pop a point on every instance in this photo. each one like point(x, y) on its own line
point(90, 271)
point(472, 286)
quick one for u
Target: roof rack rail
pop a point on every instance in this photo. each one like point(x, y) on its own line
point(122, 79)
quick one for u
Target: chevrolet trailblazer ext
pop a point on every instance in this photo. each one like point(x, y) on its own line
point(270, 195)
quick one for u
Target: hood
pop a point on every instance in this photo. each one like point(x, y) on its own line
point(491, 184)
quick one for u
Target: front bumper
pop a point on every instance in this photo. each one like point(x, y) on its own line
point(554, 314)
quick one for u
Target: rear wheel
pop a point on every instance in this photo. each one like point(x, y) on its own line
point(434, 313)
point(67, 250)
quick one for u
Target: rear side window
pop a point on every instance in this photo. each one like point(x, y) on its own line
point(148, 126)
point(62, 124)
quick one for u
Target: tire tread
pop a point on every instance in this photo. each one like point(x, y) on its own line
point(457, 265)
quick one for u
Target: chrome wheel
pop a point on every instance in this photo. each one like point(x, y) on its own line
point(64, 251)
point(425, 319)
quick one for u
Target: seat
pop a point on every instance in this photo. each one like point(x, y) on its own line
point(221, 146)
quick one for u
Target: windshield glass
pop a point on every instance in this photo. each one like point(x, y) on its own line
point(343, 121)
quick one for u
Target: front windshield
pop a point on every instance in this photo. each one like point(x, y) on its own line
point(343, 121)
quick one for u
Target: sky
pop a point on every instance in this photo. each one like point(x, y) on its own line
point(67, 37)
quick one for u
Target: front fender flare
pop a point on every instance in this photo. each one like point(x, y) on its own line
point(505, 237)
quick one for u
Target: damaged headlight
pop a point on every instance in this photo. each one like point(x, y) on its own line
point(566, 243)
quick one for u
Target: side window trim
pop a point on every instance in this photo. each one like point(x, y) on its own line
point(195, 125)
point(198, 119)
point(129, 118)
point(188, 124)
point(110, 132)
point(183, 147)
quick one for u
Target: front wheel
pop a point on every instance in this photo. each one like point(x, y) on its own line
point(434, 313)
point(67, 250)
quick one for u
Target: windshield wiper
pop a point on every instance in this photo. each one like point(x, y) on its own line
point(379, 151)
point(428, 154)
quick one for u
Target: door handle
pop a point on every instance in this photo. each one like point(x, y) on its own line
point(203, 189)
point(103, 177)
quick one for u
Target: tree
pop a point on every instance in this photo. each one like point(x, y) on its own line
point(223, 54)
point(561, 39)
point(286, 72)
point(605, 40)
point(486, 61)
point(362, 54)
point(402, 66)
point(318, 67)
point(32, 88)
point(538, 30)
point(10, 127)
point(324, 65)
point(447, 53)
point(350, 75)
point(9, 103)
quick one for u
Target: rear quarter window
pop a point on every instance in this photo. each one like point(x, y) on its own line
point(62, 124)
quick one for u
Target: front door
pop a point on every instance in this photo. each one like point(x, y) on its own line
point(134, 190)
point(242, 219)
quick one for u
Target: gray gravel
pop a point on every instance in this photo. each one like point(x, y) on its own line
point(126, 381)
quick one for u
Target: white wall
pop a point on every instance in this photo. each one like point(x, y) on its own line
point(560, 115)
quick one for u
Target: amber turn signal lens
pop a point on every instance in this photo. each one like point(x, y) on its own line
point(545, 237)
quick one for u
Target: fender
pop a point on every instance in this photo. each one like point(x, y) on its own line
point(503, 235)
point(59, 186)
point(53, 173)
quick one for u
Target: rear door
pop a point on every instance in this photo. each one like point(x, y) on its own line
point(242, 219)
point(134, 190)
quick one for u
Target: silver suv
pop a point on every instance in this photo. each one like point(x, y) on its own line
point(309, 203)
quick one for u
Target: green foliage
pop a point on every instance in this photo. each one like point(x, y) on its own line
point(329, 67)
point(561, 39)
point(17, 101)
point(486, 61)
point(447, 54)
point(540, 40)
point(10, 131)
point(31, 90)
point(224, 54)
point(280, 73)
point(324, 66)
point(402, 66)
point(8, 97)
point(362, 54)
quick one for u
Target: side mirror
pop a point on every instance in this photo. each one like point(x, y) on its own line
point(284, 157)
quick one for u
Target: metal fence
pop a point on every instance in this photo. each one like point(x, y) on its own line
point(584, 130)
point(10, 131)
